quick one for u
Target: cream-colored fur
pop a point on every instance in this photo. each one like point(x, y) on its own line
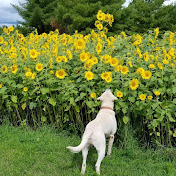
point(104, 125)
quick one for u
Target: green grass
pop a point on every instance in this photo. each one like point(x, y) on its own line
point(43, 153)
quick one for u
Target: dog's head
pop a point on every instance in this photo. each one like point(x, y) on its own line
point(107, 96)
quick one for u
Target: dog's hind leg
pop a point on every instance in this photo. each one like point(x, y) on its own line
point(101, 147)
point(111, 140)
point(84, 154)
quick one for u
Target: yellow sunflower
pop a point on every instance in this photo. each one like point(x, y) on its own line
point(146, 75)
point(157, 93)
point(14, 69)
point(165, 61)
point(119, 94)
point(160, 66)
point(80, 44)
point(33, 75)
point(25, 89)
point(100, 15)
point(118, 68)
point(39, 67)
point(124, 70)
point(134, 84)
point(89, 75)
point(106, 58)
point(69, 54)
point(98, 48)
point(99, 26)
point(33, 53)
point(140, 70)
point(59, 59)
point(94, 60)
point(88, 64)
point(108, 79)
point(114, 62)
point(146, 56)
point(28, 74)
point(4, 69)
point(83, 56)
point(150, 97)
point(64, 58)
point(152, 66)
point(1, 40)
point(60, 74)
point(105, 75)
point(1, 85)
point(93, 95)
point(142, 96)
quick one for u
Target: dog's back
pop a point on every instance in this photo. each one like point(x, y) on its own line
point(104, 122)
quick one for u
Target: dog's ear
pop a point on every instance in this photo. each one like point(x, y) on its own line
point(115, 98)
point(99, 98)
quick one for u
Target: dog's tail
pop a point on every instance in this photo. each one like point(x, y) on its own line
point(81, 145)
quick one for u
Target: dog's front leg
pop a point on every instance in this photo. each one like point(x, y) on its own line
point(111, 140)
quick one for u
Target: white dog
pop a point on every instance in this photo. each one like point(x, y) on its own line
point(104, 125)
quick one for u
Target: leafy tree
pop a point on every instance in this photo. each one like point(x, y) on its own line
point(143, 15)
point(70, 15)
point(139, 16)
point(166, 18)
point(81, 14)
point(37, 14)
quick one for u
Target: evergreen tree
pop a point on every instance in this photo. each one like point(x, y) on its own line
point(139, 16)
point(166, 18)
point(81, 14)
point(37, 13)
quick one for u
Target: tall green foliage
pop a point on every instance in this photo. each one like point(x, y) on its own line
point(70, 15)
point(143, 15)
point(37, 14)
point(81, 14)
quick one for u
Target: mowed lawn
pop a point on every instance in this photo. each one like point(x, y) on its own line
point(43, 153)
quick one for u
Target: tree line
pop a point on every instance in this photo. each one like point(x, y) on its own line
point(70, 15)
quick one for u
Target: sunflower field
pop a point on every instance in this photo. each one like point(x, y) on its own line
point(55, 79)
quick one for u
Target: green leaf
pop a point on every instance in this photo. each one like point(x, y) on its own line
point(161, 118)
point(174, 100)
point(4, 96)
point(89, 104)
point(170, 133)
point(125, 119)
point(77, 108)
point(14, 98)
point(131, 99)
point(2, 90)
point(52, 101)
point(71, 100)
point(44, 90)
point(43, 119)
point(171, 119)
point(19, 86)
point(32, 105)
point(67, 108)
point(23, 106)
point(82, 95)
point(174, 90)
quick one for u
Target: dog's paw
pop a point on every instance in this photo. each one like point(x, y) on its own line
point(108, 155)
point(97, 170)
point(83, 172)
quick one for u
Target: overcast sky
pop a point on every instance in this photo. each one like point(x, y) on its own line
point(9, 16)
